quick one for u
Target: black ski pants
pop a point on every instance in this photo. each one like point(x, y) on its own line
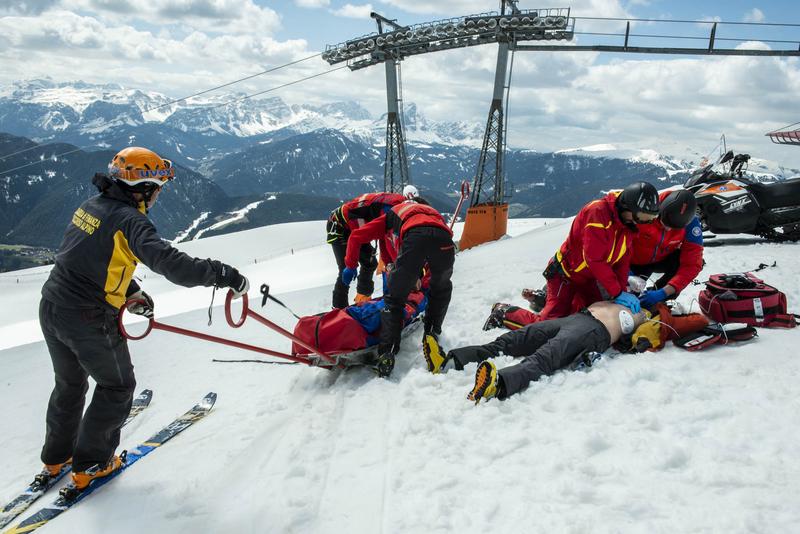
point(84, 343)
point(421, 245)
point(669, 266)
point(546, 346)
point(367, 263)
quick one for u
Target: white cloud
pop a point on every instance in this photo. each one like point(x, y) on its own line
point(215, 16)
point(26, 8)
point(558, 100)
point(754, 15)
point(584, 8)
point(354, 11)
point(85, 47)
point(312, 3)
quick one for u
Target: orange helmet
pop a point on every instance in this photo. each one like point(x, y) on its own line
point(136, 166)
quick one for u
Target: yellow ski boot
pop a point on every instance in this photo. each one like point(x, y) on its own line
point(434, 355)
point(485, 382)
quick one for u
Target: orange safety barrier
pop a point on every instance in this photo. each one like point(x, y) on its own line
point(484, 223)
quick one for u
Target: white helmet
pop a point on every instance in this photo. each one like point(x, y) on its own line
point(410, 192)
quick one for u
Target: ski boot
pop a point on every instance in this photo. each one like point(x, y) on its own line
point(384, 365)
point(496, 316)
point(49, 471)
point(434, 354)
point(486, 382)
point(536, 298)
point(82, 479)
point(361, 299)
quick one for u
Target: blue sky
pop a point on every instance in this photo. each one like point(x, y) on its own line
point(558, 100)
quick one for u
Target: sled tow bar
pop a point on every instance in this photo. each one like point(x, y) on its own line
point(246, 312)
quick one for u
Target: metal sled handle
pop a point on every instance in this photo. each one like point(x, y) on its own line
point(247, 312)
point(155, 325)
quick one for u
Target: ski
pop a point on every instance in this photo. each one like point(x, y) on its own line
point(70, 496)
point(42, 484)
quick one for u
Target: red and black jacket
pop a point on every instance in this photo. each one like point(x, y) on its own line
point(390, 228)
point(654, 242)
point(357, 212)
point(598, 247)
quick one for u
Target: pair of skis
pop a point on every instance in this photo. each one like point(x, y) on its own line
point(70, 496)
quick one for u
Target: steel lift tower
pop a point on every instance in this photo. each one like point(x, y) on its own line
point(395, 169)
point(510, 29)
point(487, 216)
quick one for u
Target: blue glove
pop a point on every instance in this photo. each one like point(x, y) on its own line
point(629, 300)
point(652, 297)
point(348, 274)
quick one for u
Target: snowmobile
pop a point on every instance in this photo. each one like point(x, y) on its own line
point(728, 202)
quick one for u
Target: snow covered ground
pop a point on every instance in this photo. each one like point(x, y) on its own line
point(665, 442)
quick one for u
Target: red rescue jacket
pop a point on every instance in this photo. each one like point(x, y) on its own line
point(598, 247)
point(654, 242)
point(368, 207)
point(390, 228)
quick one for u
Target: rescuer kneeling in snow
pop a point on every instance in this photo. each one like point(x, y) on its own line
point(91, 280)
point(671, 245)
point(419, 235)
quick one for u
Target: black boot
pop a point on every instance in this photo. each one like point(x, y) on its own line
point(391, 328)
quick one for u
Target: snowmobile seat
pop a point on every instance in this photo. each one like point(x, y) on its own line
point(778, 194)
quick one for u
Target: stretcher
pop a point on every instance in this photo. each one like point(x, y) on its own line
point(314, 358)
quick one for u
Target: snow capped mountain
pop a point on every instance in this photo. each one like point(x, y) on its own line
point(75, 111)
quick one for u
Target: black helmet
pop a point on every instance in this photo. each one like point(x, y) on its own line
point(639, 197)
point(678, 209)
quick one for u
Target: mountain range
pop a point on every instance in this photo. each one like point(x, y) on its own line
point(255, 162)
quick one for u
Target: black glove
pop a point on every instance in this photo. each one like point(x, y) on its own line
point(141, 308)
point(228, 276)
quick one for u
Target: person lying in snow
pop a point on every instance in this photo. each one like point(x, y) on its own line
point(355, 327)
point(550, 345)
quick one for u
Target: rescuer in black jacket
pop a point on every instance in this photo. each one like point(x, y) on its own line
point(109, 234)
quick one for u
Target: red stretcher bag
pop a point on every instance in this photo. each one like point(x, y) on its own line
point(332, 332)
point(745, 298)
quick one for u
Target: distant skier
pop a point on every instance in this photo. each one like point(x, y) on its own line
point(108, 236)
point(415, 235)
point(672, 245)
point(350, 216)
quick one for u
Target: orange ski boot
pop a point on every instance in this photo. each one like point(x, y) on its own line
point(82, 479)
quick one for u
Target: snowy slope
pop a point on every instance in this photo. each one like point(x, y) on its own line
point(666, 442)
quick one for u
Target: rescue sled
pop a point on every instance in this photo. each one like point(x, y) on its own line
point(304, 351)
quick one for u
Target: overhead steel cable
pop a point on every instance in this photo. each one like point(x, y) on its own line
point(8, 171)
point(317, 75)
point(182, 99)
